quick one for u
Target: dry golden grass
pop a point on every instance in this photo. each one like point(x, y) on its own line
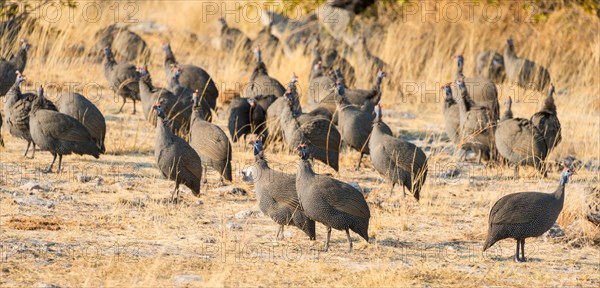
point(119, 232)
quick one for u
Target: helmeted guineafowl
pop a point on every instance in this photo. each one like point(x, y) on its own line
point(524, 72)
point(336, 204)
point(8, 69)
point(258, 117)
point(547, 122)
point(82, 109)
point(355, 125)
point(192, 77)
point(59, 133)
point(232, 38)
point(276, 194)
point(490, 64)
point(519, 142)
point(260, 81)
point(246, 116)
point(274, 114)
point(265, 37)
point(481, 90)
point(319, 134)
point(175, 109)
point(127, 45)
point(451, 116)
point(476, 128)
point(123, 78)
point(525, 214)
point(175, 158)
point(398, 160)
point(16, 112)
point(210, 142)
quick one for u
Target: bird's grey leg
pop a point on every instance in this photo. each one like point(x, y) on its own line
point(59, 163)
point(349, 240)
point(280, 235)
point(133, 107)
point(49, 169)
point(327, 240)
point(479, 156)
point(517, 251)
point(392, 190)
point(359, 161)
point(403, 192)
point(516, 172)
point(175, 193)
point(27, 149)
point(33, 153)
point(121, 109)
point(523, 250)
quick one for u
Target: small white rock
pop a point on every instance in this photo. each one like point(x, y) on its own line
point(234, 226)
point(186, 279)
point(31, 185)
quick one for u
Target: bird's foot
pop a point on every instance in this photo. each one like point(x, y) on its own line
point(47, 170)
point(519, 260)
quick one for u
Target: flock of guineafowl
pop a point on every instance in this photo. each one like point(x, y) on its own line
point(270, 113)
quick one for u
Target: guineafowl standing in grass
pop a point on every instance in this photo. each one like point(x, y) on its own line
point(524, 72)
point(260, 81)
point(451, 116)
point(274, 111)
point(265, 37)
point(127, 45)
point(398, 160)
point(520, 142)
point(82, 109)
point(8, 69)
point(239, 118)
point(175, 158)
point(482, 91)
point(276, 194)
point(17, 110)
point(175, 109)
point(355, 125)
point(547, 122)
point(192, 77)
point(232, 38)
point(525, 214)
point(210, 142)
point(490, 64)
point(319, 134)
point(258, 117)
point(59, 133)
point(336, 204)
point(122, 78)
point(476, 125)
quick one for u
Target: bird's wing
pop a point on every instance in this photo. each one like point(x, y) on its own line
point(216, 144)
point(191, 160)
point(61, 126)
point(344, 197)
point(518, 208)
